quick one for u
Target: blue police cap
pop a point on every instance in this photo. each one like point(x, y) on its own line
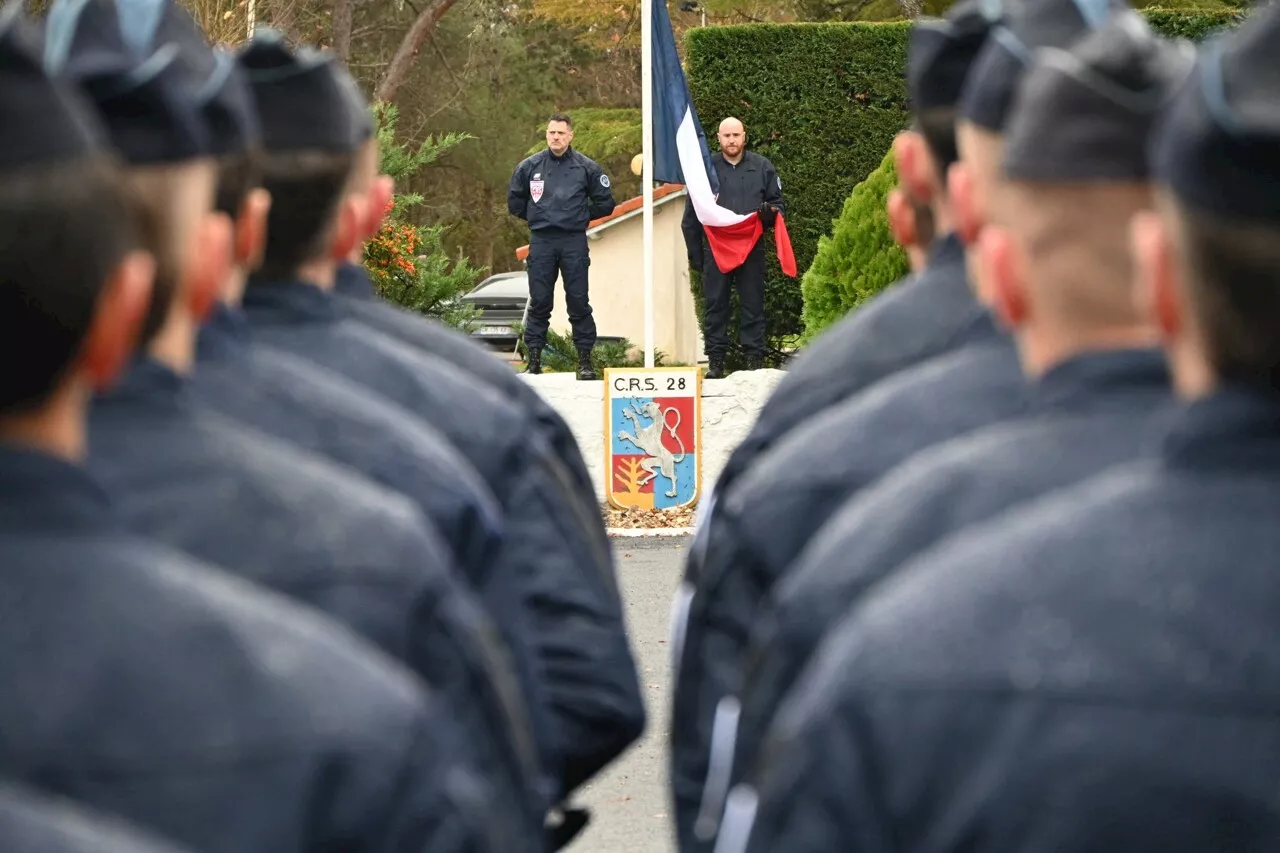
point(990, 87)
point(144, 97)
point(1218, 144)
point(218, 86)
point(940, 52)
point(1087, 113)
point(302, 102)
point(45, 118)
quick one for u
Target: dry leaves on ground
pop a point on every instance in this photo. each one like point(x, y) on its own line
point(636, 518)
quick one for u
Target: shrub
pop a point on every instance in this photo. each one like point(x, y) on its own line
point(823, 102)
point(859, 259)
point(408, 263)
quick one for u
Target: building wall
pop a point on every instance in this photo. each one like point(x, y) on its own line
point(617, 285)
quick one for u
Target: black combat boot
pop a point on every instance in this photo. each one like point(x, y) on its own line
point(715, 367)
point(755, 362)
point(534, 368)
point(586, 371)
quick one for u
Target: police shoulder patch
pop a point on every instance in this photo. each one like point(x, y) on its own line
point(604, 180)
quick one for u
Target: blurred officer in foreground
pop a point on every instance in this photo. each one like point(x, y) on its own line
point(748, 184)
point(406, 601)
point(311, 143)
point(363, 304)
point(932, 310)
point(137, 681)
point(1127, 630)
point(558, 192)
point(1099, 382)
point(763, 523)
point(31, 823)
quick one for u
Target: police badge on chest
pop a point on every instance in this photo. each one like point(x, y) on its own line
point(535, 187)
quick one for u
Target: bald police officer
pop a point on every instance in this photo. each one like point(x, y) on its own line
point(558, 192)
point(748, 184)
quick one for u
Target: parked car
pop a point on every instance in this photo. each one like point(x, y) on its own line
point(501, 300)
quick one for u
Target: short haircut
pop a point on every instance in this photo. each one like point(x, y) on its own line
point(938, 129)
point(564, 117)
point(238, 175)
point(64, 230)
point(306, 189)
point(1232, 269)
point(165, 223)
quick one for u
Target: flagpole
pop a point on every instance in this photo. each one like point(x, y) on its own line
point(646, 172)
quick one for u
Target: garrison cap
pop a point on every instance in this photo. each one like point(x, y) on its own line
point(45, 118)
point(940, 52)
point(1218, 144)
point(990, 87)
point(142, 93)
point(219, 88)
point(1087, 113)
point(302, 102)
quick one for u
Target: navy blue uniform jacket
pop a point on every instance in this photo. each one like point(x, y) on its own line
point(1096, 671)
point(321, 412)
point(364, 306)
point(559, 194)
point(568, 573)
point(185, 476)
point(1087, 414)
point(221, 716)
point(36, 823)
point(770, 514)
point(924, 316)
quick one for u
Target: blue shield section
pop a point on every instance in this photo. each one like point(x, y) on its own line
point(686, 484)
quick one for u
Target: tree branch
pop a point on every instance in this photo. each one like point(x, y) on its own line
point(406, 54)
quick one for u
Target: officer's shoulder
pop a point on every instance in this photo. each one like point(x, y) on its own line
point(531, 161)
point(364, 524)
point(585, 160)
point(271, 671)
point(759, 159)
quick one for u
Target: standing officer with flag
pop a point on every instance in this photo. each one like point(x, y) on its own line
point(748, 184)
point(558, 192)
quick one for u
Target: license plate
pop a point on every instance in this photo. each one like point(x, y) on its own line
point(495, 330)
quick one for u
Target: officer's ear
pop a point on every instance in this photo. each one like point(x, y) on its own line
point(349, 227)
point(963, 194)
point(1001, 281)
point(1157, 289)
point(251, 229)
point(902, 219)
point(121, 309)
point(379, 204)
point(210, 263)
point(915, 166)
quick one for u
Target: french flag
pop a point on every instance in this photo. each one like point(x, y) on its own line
point(681, 156)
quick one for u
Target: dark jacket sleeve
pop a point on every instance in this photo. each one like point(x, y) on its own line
point(773, 187)
point(599, 191)
point(692, 229)
point(518, 191)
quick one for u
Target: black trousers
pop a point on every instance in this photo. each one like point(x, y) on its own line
point(749, 279)
point(567, 255)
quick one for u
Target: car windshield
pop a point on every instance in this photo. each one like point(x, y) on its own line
point(502, 287)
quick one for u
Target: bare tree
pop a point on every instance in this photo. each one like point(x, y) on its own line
point(343, 17)
point(401, 64)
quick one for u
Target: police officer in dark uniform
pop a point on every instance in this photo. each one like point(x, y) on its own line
point(558, 192)
point(1090, 675)
point(748, 184)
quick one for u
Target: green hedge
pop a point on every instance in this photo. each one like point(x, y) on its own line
point(823, 102)
point(859, 259)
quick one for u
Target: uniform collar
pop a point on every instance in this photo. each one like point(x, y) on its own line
point(568, 152)
point(289, 302)
point(39, 492)
point(147, 380)
point(354, 281)
point(1103, 377)
point(946, 252)
point(224, 333)
point(1236, 427)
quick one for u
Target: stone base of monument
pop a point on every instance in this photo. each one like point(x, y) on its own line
point(729, 408)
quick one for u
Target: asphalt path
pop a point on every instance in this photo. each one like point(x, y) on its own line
point(631, 811)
